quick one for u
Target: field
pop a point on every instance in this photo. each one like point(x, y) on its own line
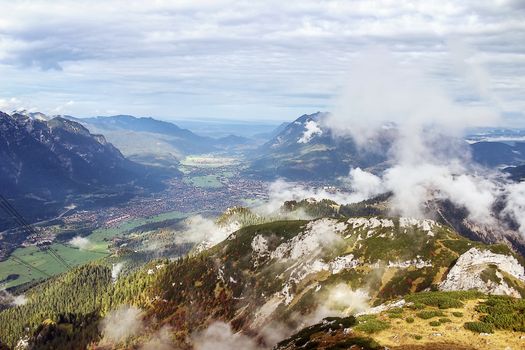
point(210, 161)
point(42, 260)
point(205, 181)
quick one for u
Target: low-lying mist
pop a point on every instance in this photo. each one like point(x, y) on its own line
point(428, 160)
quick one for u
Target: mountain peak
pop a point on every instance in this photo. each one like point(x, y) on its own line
point(68, 125)
point(31, 115)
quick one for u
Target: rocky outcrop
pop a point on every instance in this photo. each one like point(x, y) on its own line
point(486, 272)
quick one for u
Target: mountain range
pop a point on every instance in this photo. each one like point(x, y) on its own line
point(306, 149)
point(158, 142)
point(47, 162)
point(312, 275)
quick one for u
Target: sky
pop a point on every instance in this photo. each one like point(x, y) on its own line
point(250, 60)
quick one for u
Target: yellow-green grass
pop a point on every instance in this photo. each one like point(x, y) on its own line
point(420, 331)
point(43, 261)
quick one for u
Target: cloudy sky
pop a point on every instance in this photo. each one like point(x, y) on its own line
point(249, 60)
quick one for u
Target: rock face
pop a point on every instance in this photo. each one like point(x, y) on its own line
point(485, 271)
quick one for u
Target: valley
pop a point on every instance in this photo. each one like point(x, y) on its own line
point(209, 186)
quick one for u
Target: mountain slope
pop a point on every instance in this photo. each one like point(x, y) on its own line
point(143, 138)
point(495, 154)
point(307, 150)
point(45, 162)
point(424, 321)
point(272, 279)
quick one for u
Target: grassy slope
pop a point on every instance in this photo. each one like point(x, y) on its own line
point(193, 286)
point(224, 283)
point(415, 327)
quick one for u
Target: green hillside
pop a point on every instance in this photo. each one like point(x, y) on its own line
point(289, 273)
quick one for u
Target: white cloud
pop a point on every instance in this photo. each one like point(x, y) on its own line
point(64, 108)
point(82, 243)
point(10, 299)
point(380, 89)
point(340, 301)
point(428, 159)
point(363, 184)
point(515, 204)
point(220, 336)
point(199, 229)
point(280, 191)
point(115, 270)
point(160, 340)
point(413, 186)
point(120, 324)
point(10, 104)
point(240, 59)
point(311, 129)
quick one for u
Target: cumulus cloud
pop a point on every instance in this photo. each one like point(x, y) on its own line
point(160, 340)
point(232, 57)
point(82, 243)
point(220, 336)
point(311, 129)
point(122, 323)
point(199, 229)
point(115, 270)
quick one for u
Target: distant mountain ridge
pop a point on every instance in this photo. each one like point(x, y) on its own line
point(493, 154)
point(185, 140)
point(153, 141)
